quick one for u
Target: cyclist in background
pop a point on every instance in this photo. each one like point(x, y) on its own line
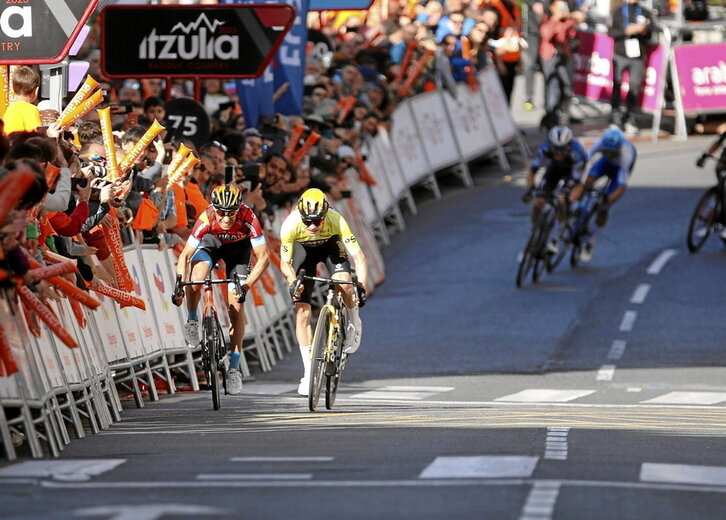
point(720, 161)
point(564, 158)
point(616, 163)
point(311, 234)
point(227, 231)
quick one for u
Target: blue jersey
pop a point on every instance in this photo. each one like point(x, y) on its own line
point(569, 168)
point(617, 169)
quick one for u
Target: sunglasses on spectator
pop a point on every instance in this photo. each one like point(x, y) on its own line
point(226, 213)
point(312, 221)
point(201, 167)
point(219, 145)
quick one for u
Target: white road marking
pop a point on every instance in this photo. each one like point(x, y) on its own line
point(640, 294)
point(688, 398)
point(606, 373)
point(617, 350)
point(661, 261)
point(538, 395)
point(634, 389)
point(480, 467)
point(413, 393)
point(149, 511)
point(254, 476)
point(541, 501)
point(683, 474)
point(66, 469)
point(556, 443)
point(241, 484)
point(268, 389)
point(628, 321)
point(281, 459)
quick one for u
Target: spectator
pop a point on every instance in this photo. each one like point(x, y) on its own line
point(558, 28)
point(154, 109)
point(533, 21)
point(22, 115)
point(630, 28)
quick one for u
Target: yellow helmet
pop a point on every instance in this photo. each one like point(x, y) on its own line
point(312, 204)
point(226, 197)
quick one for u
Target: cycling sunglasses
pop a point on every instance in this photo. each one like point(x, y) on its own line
point(226, 213)
point(313, 221)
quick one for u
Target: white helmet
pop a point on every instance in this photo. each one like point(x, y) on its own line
point(560, 136)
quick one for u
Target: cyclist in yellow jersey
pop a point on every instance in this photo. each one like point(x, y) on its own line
point(311, 234)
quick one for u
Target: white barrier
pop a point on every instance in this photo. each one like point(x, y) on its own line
point(58, 386)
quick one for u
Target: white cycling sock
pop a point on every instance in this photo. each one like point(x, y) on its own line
point(354, 317)
point(305, 354)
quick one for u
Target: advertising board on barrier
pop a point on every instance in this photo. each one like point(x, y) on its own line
point(430, 115)
point(496, 103)
point(701, 73)
point(471, 126)
point(408, 145)
point(594, 72)
point(160, 285)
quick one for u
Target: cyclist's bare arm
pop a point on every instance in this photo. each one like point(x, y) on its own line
point(184, 257)
point(361, 268)
point(263, 260)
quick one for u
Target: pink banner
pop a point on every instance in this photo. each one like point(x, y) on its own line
point(594, 72)
point(702, 75)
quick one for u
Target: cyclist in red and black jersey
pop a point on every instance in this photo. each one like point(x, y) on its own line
point(227, 231)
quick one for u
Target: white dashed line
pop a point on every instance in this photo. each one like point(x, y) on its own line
point(254, 476)
point(640, 293)
point(683, 474)
point(606, 373)
point(661, 261)
point(541, 501)
point(617, 350)
point(556, 443)
point(281, 459)
point(494, 466)
point(628, 321)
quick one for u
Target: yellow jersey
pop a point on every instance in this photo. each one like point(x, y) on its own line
point(293, 230)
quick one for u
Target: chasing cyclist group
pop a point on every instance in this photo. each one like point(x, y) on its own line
point(313, 233)
point(563, 159)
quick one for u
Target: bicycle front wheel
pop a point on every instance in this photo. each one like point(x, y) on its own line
point(527, 261)
point(701, 223)
point(317, 366)
point(210, 338)
point(332, 380)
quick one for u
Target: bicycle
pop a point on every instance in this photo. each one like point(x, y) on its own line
point(581, 232)
point(214, 349)
point(328, 358)
point(536, 257)
point(709, 215)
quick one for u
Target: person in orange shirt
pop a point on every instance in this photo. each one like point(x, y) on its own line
point(508, 32)
point(22, 115)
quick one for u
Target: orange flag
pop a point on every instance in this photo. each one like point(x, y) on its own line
point(6, 355)
point(35, 305)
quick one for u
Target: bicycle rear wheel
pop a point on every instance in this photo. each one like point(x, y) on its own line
point(209, 337)
point(317, 366)
point(332, 381)
point(701, 223)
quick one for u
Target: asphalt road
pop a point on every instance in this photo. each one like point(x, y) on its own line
point(597, 393)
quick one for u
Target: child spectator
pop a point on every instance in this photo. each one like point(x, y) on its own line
point(22, 115)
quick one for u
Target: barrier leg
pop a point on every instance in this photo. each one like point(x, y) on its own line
point(6, 436)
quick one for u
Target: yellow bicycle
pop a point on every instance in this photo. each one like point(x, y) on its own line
point(328, 358)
